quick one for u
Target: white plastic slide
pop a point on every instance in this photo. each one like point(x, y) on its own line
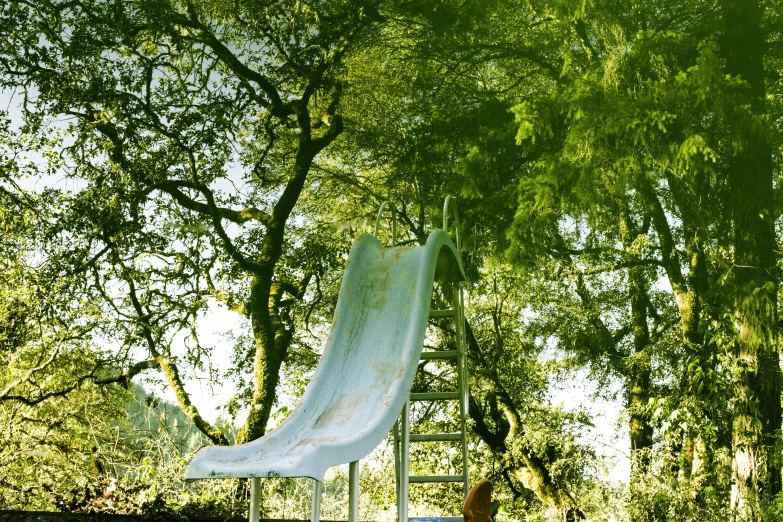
point(365, 373)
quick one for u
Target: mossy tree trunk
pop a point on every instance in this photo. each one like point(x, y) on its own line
point(638, 365)
point(757, 410)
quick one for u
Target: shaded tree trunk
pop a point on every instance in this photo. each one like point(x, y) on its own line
point(638, 367)
point(756, 469)
point(638, 370)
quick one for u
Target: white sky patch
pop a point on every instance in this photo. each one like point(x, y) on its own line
point(209, 397)
point(610, 437)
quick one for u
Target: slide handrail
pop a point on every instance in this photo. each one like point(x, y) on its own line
point(394, 220)
point(453, 207)
point(449, 207)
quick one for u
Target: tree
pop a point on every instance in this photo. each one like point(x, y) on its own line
point(651, 107)
point(757, 410)
point(185, 123)
point(56, 404)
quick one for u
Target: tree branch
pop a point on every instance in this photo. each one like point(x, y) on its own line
point(171, 372)
point(276, 105)
point(235, 216)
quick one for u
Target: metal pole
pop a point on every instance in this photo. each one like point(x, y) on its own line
point(394, 221)
point(396, 441)
point(405, 436)
point(353, 491)
point(446, 208)
point(255, 500)
point(315, 513)
point(462, 368)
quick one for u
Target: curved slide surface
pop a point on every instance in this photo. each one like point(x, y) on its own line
point(365, 373)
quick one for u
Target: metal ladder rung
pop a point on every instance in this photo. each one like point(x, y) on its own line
point(420, 479)
point(445, 354)
point(445, 519)
point(434, 396)
point(442, 313)
point(434, 437)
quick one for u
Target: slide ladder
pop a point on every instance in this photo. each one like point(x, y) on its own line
point(402, 429)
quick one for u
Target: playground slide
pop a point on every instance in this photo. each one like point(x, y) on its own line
point(365, 373)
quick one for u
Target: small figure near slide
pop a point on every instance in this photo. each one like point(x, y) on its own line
point(478, 506)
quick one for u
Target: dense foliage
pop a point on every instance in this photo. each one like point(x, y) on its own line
point(617, 166)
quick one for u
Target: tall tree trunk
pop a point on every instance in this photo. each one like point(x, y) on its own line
point(638, 375)
point(271, 336)
point(691, 198)
point(638, 371)
point(757, 411)
point(700, 449)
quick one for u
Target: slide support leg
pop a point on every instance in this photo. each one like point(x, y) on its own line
point(462, 377)
point(405, 434)
point(353, 491)
point(397, 440)
point(255, 498)
point(315, 515)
